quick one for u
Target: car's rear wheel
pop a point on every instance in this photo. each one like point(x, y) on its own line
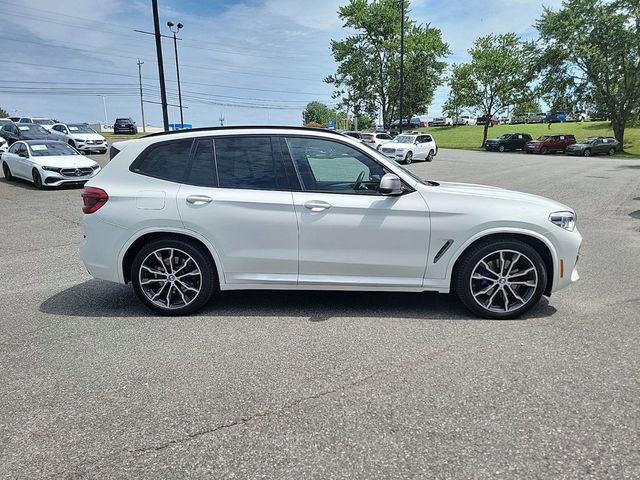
point(500, 279)
point(587, 152)
point(612, 151)
point(501, 148)
point(173, 277)
point(7, 171)
point(37, 179)
point(408, 158)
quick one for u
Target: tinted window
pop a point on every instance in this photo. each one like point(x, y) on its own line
point(203, 169)
point(165, 160)
point(249, 162)
point(427, 138)
point(332, 167)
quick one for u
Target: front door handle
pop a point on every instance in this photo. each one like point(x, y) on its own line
point(317, 205)
point(198, 200)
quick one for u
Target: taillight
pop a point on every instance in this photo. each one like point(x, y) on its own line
point(93, 199)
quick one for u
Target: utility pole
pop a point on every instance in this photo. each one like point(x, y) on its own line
point(104, 105)
point(175, 47)
point(163, 88)
point(141, 101)
point(401, 63)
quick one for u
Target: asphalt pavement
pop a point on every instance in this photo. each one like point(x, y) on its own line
point(325, 385)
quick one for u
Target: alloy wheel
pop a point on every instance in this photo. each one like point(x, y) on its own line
point(170, 278)
point(408, 158)
point(503, 281)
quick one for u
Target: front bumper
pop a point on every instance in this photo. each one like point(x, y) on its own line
point(55, 179)
point(574, 152)
point(395, 156)
point(567, 245)
point(91, 147)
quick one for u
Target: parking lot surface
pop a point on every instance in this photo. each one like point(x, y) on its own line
point(320, 384)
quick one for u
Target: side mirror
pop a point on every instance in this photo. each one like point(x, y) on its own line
point(390, 184)
point(23, 155)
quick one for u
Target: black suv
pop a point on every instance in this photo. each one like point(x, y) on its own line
point(508, 141)
point(12, 132)
point(125, 125)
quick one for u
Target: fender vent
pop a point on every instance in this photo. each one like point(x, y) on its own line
point(443, 250)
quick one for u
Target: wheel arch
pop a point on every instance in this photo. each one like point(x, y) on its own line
point(537, 242)
point(135, 244)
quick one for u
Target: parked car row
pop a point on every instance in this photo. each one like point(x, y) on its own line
point(78, 135)
point(564, 143)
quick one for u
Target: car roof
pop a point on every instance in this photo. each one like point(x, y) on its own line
point(244, 128)
point(40, 142)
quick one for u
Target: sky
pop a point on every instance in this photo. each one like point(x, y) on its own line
point(247, 61)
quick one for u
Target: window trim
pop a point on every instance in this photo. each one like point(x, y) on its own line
point(192, 154)
point(406, 187)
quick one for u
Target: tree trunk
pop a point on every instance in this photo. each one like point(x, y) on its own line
point(486, 130)
point(619, 126)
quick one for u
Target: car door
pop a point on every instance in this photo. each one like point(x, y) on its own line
point(349, 234)
point(242, 204)
point(13, 160)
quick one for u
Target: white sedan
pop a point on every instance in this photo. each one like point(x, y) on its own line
point(47, 163)
point(80, 136)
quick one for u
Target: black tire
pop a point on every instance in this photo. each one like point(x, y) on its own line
point(72, 143)
point(587, 152)
point(501, 148)
point(463, 271)
point(7, 172)
point(37, 179)
point(544, 150)
point(430, 156)
point(408, 158)
point(612, 151)
point(209, 276)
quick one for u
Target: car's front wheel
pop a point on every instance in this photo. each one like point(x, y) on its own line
point(173, 277)
point(501, 148)
point(587, 152)
point(612, 151)
point(430, 156)
point(500, 279)
point(408, 158)
point(37, 179)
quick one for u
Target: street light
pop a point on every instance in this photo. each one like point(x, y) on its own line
point(104, 104)
point(175, 47)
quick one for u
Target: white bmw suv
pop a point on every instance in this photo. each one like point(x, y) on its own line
point(183, 215)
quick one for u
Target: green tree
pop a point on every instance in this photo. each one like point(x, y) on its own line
point(317, 112)
point(528, 105)
point(3, 113)
point(591, 48)
point(460, 83)
point(368, 75)
point(499, 75)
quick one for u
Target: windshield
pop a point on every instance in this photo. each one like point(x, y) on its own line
point(80, 128)
point(42, 121)
point(51, 149)
point(505, 136)
point(405, 139)
point(32, 128)
point(544, 137)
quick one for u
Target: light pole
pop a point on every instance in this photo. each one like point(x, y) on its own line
point(141, 100)
point(104, 105)
point(175, 47)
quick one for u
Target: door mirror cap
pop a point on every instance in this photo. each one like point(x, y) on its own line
point(390, 184)
point(23, 155)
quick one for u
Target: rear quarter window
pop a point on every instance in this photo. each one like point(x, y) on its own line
point(166, 160)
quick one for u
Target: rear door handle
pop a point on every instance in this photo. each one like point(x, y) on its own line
point(317, 205)
point(199, 199)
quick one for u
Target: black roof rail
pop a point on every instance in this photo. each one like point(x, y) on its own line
point(242, 127)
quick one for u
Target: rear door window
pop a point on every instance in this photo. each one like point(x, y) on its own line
point(249, 163)
point(166, 160)
point(203, 169)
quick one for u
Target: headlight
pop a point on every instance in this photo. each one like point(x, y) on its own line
point(566, 220)
point(95, 167)
point(51, 169)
